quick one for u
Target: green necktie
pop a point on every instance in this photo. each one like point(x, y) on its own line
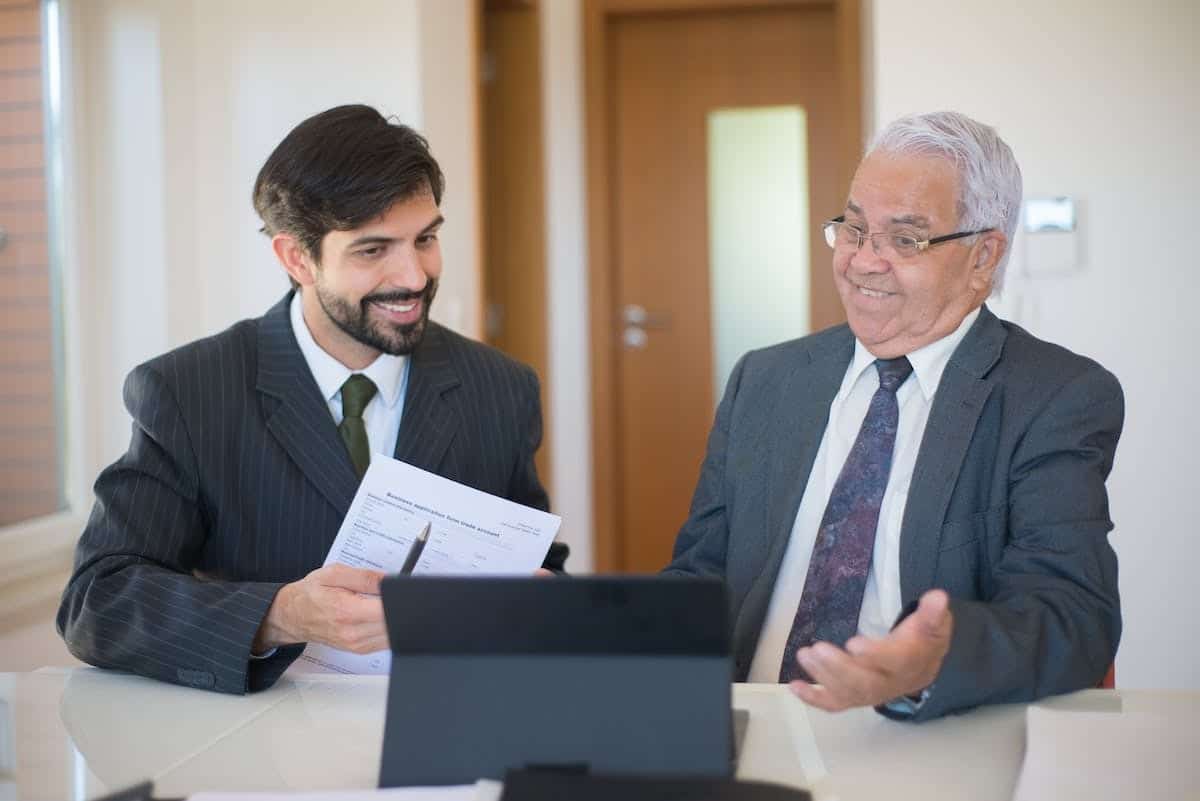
point(356, 394)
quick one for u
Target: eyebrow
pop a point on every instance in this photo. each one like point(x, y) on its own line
point(387, 240)
point(911, 219)
point(917, 220)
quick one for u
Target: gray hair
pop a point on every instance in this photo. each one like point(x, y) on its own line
point(989, 178)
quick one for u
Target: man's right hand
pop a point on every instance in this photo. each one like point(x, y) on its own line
point(335, 605)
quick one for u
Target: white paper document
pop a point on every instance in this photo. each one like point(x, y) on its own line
point(470, 533)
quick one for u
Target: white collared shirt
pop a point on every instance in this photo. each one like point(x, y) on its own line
point(389, 374)
point(881, 601)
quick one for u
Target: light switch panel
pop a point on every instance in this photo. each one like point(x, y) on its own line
point(1051, 240)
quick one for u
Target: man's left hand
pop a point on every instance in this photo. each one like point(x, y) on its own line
point(870, 671)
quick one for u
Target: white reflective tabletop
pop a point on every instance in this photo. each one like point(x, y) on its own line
point(77, 734)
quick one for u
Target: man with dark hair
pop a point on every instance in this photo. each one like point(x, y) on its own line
point(201, 563)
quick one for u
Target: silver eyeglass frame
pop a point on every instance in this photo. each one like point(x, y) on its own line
point(831, 227)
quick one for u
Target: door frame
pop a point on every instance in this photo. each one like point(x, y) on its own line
point(603, 337)
point(521, 287)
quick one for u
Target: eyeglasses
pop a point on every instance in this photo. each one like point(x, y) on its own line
point(841, 235)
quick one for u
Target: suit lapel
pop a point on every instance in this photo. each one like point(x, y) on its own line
point(430, 419)
point(805, 399)
point(959, 401)
point(296, 414)
point(798, 420)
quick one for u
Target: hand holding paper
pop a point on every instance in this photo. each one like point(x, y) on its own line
point(467, 532)
point(336, 605)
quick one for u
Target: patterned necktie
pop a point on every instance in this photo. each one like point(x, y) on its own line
point(356, 394)
point(841, 557)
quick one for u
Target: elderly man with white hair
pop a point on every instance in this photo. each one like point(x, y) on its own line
point(910, 509)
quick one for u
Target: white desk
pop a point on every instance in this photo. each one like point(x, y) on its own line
point(76, 734)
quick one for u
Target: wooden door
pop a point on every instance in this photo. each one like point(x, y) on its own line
point(665, 73)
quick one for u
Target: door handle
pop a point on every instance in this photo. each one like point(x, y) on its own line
point(635, 321)
point(633, 314)
point(634, 338)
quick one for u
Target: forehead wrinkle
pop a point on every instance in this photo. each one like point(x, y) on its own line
point(918, 220)
point(907, 197)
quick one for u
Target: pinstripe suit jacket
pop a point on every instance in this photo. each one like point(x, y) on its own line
point(236, 482)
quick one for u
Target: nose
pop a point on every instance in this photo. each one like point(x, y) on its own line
point(406, 271)
point(867, 259)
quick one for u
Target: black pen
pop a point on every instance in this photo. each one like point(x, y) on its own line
point(414, 551)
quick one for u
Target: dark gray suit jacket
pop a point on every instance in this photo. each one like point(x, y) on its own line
point(236, 482)
point(1007, 510)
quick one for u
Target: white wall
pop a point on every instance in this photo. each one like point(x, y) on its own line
point(567, 398)
point(1098, 100)
point(449, 119)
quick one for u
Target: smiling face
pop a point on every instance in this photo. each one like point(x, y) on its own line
point(897, 305)
point(371, 290)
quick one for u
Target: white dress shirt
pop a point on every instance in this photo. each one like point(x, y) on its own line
point(881, 601)
point(383, 412)
point(388, 373)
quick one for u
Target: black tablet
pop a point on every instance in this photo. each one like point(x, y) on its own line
point(624, 675)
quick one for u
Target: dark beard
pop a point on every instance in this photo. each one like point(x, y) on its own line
point(392, 339)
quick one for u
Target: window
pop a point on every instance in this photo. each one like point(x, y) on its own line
point(31, 432)
point(757, 249)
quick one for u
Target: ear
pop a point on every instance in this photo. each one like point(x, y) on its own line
point(986, 256)
point(294, 258)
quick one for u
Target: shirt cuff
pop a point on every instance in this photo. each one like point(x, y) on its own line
point(906, 706)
